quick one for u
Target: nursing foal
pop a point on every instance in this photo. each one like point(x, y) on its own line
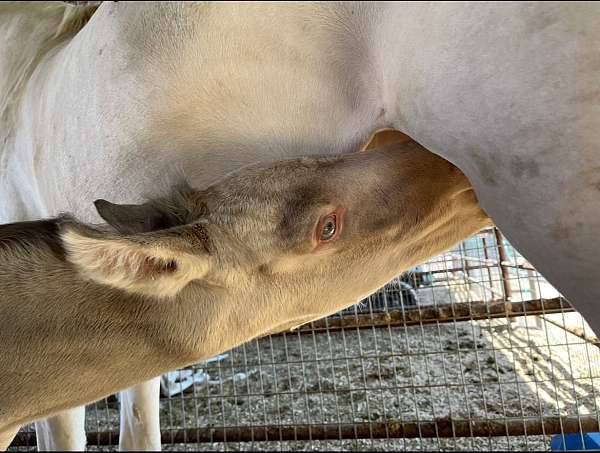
point(88, 311)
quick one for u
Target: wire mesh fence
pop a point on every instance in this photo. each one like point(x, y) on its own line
point(473, 350)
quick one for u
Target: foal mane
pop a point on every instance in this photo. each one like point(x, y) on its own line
point(21, 237)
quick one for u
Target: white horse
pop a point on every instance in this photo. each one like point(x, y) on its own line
point(508, 92)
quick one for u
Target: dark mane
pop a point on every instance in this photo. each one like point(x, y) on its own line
point(28, 234)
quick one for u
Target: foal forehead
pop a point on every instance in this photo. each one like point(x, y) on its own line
point(281, 172)
point(272, 187)
point(288, 189)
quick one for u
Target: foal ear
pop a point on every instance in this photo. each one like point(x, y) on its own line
point(136, 218)
point(153, 264)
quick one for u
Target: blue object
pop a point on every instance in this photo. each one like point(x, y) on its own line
point(591, 442)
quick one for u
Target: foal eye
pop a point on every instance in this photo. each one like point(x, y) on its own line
point(328, 227)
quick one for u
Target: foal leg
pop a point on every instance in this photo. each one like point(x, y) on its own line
point(63, 432)
point(140, 424)
point(6, 437)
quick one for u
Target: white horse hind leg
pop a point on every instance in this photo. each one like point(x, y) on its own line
point(140, 424)
point(63, 432)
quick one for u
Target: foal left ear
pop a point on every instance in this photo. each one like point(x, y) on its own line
point(153, 264)
point(135, 218)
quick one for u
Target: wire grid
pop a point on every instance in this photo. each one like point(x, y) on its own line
point(499, 369)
